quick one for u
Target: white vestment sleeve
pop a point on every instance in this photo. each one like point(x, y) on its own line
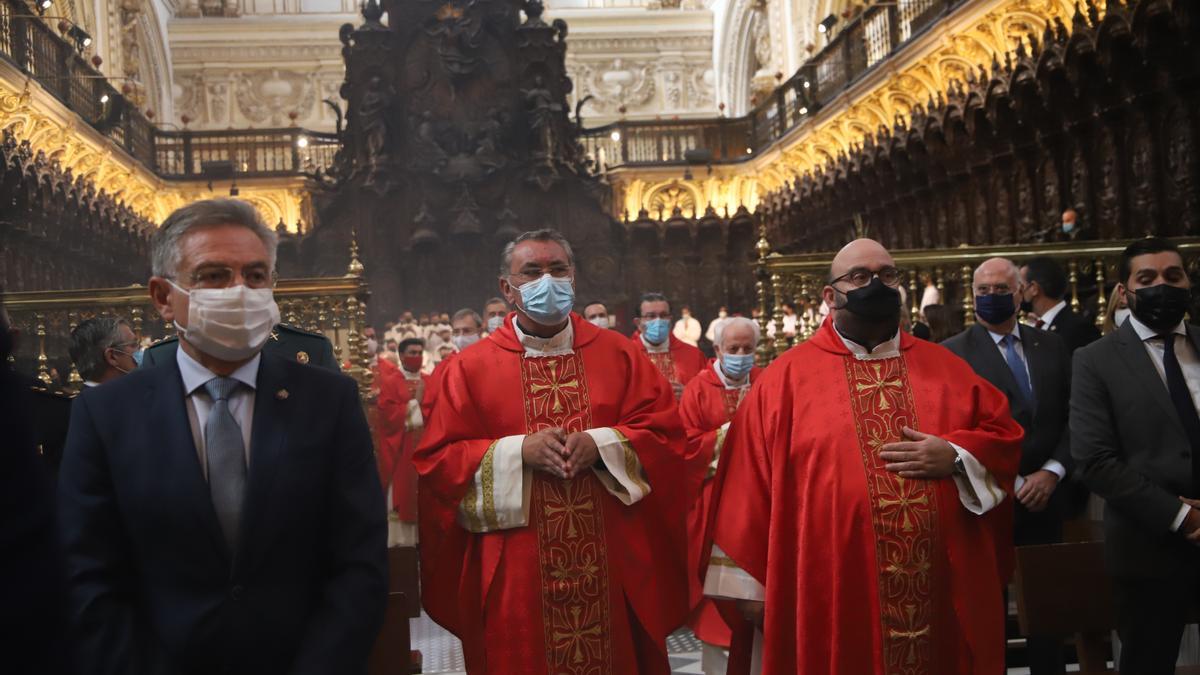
point(414, 420)
point(724, 579)
point(498, 498)
point(621, 474)
point(977, 490)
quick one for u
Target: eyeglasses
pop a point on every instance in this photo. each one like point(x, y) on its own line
point(219, 276)
point(993, 289)
point(531, 273)
point(861, 276)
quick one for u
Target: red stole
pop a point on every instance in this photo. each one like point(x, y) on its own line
point(866, 572)
point(679, 363)
point(563, 594)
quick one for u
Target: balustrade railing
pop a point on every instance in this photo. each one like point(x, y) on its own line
point(868, 39)
point(29, 43)
point(797, 280)
point(333, 306)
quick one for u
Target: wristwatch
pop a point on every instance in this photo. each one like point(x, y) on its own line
point(960, 467)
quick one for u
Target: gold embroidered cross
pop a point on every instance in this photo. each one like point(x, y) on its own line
point(878, 385)
point(570, 509)
point(911, 633)
point(554, 389)
point(906, 503)
point(577, 633)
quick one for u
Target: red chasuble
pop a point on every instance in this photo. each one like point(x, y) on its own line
point(705, 408)
point(394, 444)
point(589, 585)
point(680, 363)
point(433, 384)
point(867, 572)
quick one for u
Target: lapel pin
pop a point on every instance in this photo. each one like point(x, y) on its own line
point(302, 357)
point(282, 394)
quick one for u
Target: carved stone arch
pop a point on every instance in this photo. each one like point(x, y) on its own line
point(735, 54)
point(665, 197)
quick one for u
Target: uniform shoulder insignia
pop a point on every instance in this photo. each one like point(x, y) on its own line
point(288, 328)
point(163, 341)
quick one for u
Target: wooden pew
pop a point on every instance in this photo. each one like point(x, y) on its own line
point(393, 653)
point(1063, 591)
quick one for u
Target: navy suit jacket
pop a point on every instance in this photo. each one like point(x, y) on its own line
point(154, 588)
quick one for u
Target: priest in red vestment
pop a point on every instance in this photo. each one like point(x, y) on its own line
point(466, 329)
point(678, 361)
point(862, 509)
point(708, 404)
point(399, 424)
point(553, 506)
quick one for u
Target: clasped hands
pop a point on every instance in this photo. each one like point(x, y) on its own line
point(558, 453)
point(919, 455)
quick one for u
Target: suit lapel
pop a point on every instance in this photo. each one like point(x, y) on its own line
point(1035, 356)
point(181, 470)
point(995, 368)
point(1133, 352)
point(268, 432)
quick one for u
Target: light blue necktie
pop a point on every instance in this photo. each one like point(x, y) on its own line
point(226, 454)
point(1017, 366)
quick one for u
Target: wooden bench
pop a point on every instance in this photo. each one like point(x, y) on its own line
point(393, 653)
point(1063, 591)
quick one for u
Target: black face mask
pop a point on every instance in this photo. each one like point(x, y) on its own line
point(875, 302)
point(1027, 306)
point(1161, 307)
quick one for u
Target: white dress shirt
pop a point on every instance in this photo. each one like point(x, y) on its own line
point(1052, 465)
point(1048, 317)
point(199, 403)
point(1189, 363)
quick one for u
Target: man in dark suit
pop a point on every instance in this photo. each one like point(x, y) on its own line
point(1033, 369)
point(32, 607)
point(1135, 436)
point(222, 512)
point(1045, 295)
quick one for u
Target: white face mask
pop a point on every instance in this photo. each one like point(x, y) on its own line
point(231, 324)
point(464, 341)
point(600, 322)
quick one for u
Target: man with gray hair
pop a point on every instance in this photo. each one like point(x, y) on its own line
point(708, 404)
point(231, 518)
point(103, 349)
point(1033, 369)
point(283, 340)
point(552, 488)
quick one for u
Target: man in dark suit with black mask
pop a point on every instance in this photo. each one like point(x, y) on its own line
point(221, 512)
point(1135, 436)
point(1045, 295)
point(1033, 369)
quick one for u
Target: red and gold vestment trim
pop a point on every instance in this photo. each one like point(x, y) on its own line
point(903, 512)
point(569, 517)
point(665, 365)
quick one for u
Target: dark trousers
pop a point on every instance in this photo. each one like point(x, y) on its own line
point(1151, 614)
point(1044, 655)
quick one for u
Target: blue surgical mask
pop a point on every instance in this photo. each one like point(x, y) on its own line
point(1068, 226)
point(737, 366)
point(656, 330)
point(494, 323)
point(137, 357)
point(548, 300)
